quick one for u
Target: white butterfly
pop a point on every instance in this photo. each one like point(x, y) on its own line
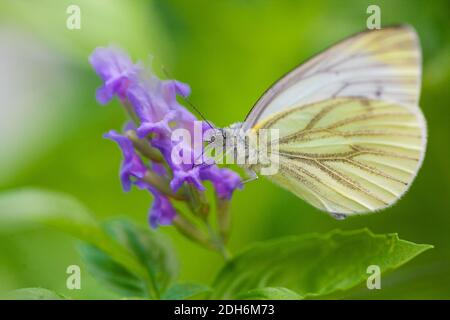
point(352, 136)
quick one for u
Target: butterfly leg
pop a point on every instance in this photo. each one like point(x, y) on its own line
point(251, 176)
point(202, 165)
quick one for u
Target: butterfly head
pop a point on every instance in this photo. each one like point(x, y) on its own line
point(222, 134)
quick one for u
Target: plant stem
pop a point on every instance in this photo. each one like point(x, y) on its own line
point(225, 252)
point(190, 231)
point(217, 242)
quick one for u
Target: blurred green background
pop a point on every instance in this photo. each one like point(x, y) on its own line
point(229, 52)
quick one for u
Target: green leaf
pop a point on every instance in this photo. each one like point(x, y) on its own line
point(32, 294)
point(314, 264)
point(29, 207)
point(152, 250)
point(24, 208)
point(183, 291)
point(113, 275)
point(269, 293)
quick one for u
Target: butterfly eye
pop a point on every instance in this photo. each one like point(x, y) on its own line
point(213, 138)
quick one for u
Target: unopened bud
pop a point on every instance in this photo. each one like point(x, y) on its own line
point(163, 185)
point(189, 230)
point(223, 218)
point(198, 202)
point(144, 147)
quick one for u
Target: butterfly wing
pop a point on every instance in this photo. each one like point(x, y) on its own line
point(378, 64)
point(348, 155)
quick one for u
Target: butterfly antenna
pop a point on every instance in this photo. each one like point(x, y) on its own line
point(166, 73)
point(199, 113)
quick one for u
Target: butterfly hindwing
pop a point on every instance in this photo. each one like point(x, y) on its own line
point(348, 155)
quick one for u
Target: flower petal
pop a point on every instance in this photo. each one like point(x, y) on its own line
point(116, 70)
point(132, 165)
point(191, 176)
point(162, 211)
point(225, 181)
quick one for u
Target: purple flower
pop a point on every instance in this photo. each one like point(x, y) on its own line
point(162, 212)
point(152, 104)
point(116, 70)
point(159, 169)
point(151, 110)
point(225, 181)
point(191, 176)
point(173, 87)
point(132, 165)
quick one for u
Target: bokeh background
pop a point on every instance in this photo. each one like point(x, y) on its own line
point(229, 52)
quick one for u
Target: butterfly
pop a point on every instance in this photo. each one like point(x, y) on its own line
point(351, 135)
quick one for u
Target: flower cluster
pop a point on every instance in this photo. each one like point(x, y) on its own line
point(146, 141)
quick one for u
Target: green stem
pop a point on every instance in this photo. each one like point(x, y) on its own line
point(217, 242)
point(144, 147)
point(223, 250)
point(223, 218)
point(197, 202)
point(162, 184)
point(189, 230)
point(129, 109)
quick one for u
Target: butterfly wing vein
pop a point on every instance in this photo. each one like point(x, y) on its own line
point(348, 155)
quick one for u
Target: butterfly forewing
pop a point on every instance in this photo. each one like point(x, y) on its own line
point(348, 155)
point(380, 64)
